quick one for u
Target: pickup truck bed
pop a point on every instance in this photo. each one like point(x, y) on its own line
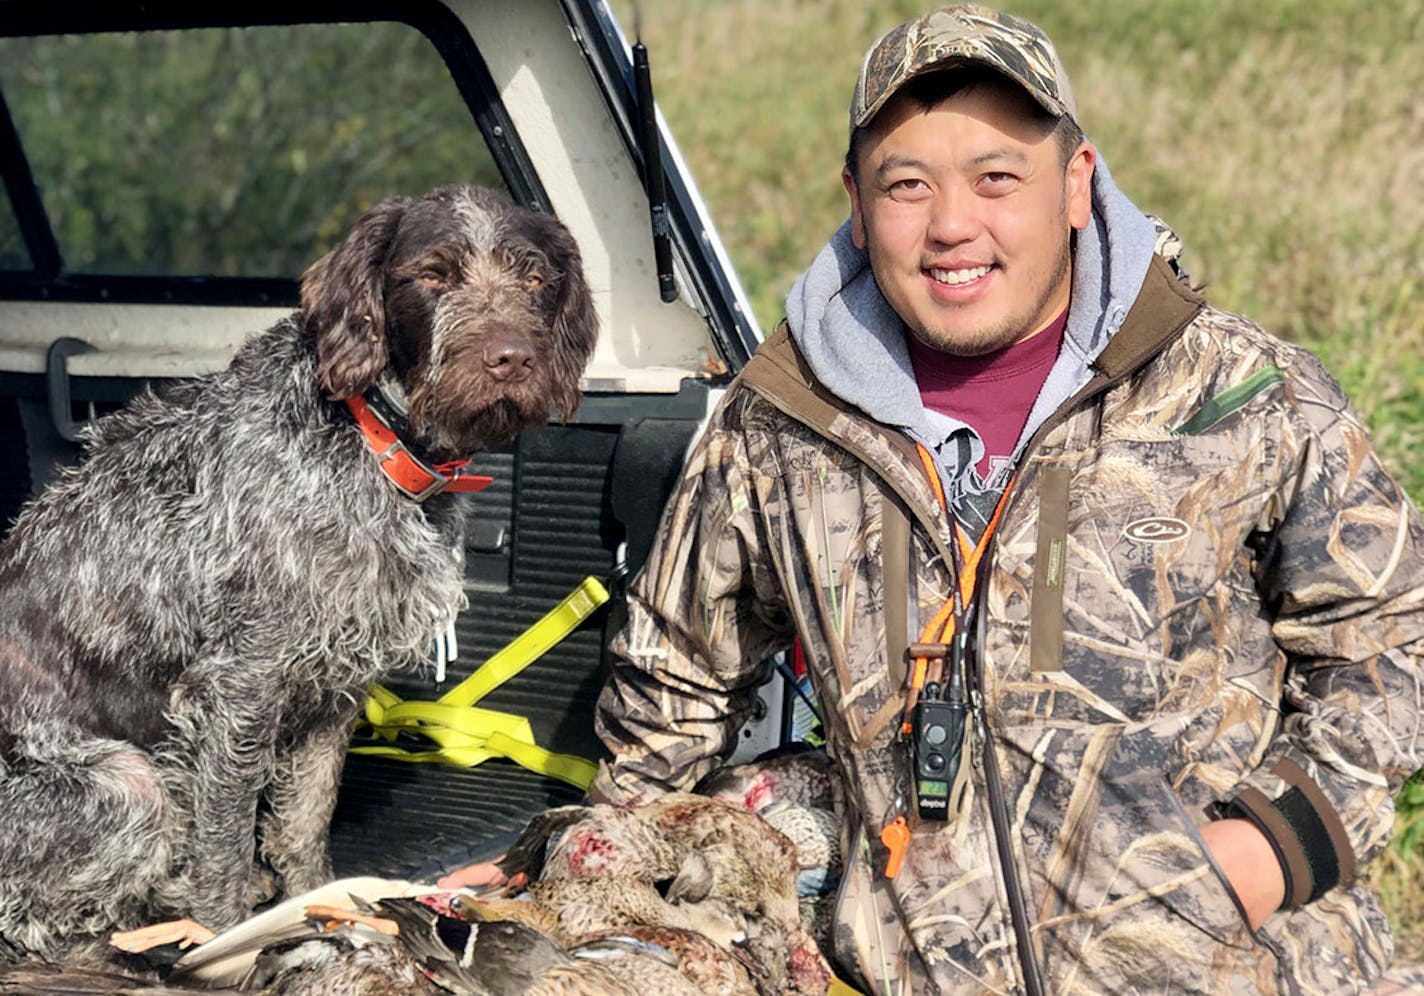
point(169, 170)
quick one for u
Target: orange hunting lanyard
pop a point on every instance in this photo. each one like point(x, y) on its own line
point(953, 617)
point(936, 730)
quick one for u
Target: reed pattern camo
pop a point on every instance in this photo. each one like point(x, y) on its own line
point(1259, 643)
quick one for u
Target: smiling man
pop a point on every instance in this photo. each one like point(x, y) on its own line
point(966, 201)
point(1114, 617)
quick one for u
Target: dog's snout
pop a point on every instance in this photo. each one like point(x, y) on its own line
point(509, 360)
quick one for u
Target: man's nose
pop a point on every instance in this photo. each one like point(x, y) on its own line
point(954, 217)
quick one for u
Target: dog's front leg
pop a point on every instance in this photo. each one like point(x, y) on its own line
point(294, 834)
point(230, 738)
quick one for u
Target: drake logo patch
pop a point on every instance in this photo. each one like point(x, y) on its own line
point(1156, 529)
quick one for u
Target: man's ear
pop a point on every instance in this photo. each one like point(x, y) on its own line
point(1078, 184)
point(857, 218)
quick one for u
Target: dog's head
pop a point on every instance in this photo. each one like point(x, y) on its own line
point(476, 307)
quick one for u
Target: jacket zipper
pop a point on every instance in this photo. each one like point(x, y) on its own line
point(993, 780)
point(994, 789)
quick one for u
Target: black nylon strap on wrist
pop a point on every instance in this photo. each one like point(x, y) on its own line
point(1314, 838)
point(1272, 828)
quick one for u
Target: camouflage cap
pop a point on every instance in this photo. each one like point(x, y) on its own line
point(962, 34)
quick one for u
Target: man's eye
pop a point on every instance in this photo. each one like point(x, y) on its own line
point(998, 182)
point(909, 189)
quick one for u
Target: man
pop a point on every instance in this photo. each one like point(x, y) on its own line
point(1114, 616)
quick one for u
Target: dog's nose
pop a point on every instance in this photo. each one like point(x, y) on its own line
point(509, 361)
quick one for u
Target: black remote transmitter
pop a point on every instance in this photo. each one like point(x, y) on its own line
point(938, 729)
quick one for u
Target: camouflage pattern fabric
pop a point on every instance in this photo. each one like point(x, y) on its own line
point(1401, 980)
point(1239, 601)
point(962, 33)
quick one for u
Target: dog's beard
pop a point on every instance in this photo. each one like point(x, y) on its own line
point(460, 406)
point(452, 428)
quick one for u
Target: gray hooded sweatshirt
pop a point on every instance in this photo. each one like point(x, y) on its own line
point(855, 342)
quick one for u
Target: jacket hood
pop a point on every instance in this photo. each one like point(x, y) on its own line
point(854, 341)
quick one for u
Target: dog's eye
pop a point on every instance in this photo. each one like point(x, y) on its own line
point(433, 281)
point(533, 281)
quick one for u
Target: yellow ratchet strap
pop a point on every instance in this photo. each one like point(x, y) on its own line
point(463, 733)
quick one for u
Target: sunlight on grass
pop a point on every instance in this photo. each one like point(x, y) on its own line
point(1284, 142)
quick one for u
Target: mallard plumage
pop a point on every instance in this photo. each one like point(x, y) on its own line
point(42, 979)
point(506, 958)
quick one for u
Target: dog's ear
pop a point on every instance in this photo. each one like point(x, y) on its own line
point(343, 303)
point(575, 322)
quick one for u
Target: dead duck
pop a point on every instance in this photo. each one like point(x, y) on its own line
point(712, 968)
point(586, 906)
point(591, 842)
point(507, 958)
point(796, 773)
point(679, 851)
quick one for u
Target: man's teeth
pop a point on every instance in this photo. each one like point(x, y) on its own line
point(959, 276)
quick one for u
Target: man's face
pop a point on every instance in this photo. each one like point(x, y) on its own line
point(966, 210)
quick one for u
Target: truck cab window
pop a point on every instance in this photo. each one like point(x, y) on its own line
point(228, 152)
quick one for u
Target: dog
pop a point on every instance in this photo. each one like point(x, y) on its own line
point(189, 615)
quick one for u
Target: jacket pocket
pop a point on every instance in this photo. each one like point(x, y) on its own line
point(1192, 829)
point(1125, 894)
point(1153, 582)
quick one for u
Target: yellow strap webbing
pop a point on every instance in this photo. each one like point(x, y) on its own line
point(466, 735)
point(530, 645)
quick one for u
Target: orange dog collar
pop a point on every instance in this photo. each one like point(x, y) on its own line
point(416, 479)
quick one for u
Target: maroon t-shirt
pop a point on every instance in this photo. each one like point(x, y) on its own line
point(993, 394)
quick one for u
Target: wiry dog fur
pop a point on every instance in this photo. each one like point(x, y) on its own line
point(189, 616)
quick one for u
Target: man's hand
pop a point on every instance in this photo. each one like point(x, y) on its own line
point(1250, 865)
point(485, 874)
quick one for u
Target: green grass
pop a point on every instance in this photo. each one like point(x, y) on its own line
point(1284, 140)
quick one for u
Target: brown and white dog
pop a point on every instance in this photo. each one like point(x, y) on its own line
point(189, 616)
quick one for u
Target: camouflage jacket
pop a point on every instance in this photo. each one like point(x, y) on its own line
point(1204, 592)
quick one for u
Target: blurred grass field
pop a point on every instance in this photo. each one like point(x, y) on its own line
point(1283, 140)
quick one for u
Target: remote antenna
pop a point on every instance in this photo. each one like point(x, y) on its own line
point(654, 182)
